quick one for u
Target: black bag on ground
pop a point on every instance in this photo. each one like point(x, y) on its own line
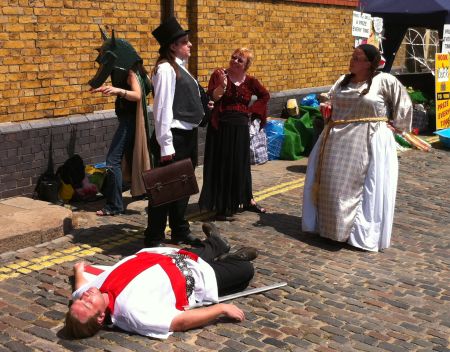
point(72, 171)
point(47, 188)
point(47, 184)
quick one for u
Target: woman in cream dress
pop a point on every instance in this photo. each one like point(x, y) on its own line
point(351, 179)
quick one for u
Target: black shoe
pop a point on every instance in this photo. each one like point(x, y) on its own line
point(211, 231)
point(189, 239)
point(245, 253)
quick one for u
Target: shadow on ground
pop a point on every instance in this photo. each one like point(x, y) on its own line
point(98, 203)
point(301, 169)
point(114, 239)
point(290, 226)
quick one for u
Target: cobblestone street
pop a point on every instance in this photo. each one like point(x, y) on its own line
point(337, 298)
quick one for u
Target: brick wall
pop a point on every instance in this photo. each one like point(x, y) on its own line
point(296, 45)
point(24, 146)
point(47, 47)
point(47, 52)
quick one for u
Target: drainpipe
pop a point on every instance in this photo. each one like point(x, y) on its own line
point(166, 9)
point(192, 10)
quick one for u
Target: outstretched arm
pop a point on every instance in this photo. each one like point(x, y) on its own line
point(78, 271)
point(201, 316)
point(135, 94)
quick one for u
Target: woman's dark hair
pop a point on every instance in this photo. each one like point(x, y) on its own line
point(373, 56)
point(141, 69)
point(166, 55)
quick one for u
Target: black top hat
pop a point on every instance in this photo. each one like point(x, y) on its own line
point(169, 31)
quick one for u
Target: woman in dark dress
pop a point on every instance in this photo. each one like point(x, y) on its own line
point(227, 181)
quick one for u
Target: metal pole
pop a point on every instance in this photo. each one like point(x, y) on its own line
point(239, 294)
point(251, 291)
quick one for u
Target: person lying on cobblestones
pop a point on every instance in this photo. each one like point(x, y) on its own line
point(148, 293)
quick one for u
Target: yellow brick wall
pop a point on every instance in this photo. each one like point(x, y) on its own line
point(47, 52)
point(295, 45)
point(47, 47)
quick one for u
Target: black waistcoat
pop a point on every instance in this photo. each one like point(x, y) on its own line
point(187, 105)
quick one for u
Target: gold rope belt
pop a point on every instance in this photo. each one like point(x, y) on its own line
point(328, 127)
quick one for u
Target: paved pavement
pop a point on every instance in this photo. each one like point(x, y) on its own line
point(337, 298)
point(27, 222)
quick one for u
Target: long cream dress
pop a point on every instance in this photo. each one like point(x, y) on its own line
point(358, 175)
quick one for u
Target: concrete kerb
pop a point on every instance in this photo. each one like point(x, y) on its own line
point(27, 222)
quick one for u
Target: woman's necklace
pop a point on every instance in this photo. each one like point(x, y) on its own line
point(237, 81)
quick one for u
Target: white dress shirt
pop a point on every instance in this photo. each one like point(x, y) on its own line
point(164, 82)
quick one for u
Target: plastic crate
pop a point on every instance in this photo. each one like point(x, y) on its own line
point(444, 136)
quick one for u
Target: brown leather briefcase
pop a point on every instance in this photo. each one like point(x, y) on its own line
point(166, 184)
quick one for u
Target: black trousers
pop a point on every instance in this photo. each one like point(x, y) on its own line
point(185, 144)
point(232, 275)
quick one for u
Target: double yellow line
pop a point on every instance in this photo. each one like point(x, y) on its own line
point(281, 188)
point(73, 253)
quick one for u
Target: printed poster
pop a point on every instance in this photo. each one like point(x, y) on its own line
point(446, 39)
point(361, 24)
point(442, 91)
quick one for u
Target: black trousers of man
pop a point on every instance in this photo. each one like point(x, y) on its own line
point(232, 275)
point(185, 144)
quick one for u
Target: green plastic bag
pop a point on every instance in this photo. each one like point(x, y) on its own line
point(416, 96)
point(299, 133)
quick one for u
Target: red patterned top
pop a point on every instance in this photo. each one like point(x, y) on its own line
point(237, 98)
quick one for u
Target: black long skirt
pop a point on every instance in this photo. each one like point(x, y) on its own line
point(227, 180)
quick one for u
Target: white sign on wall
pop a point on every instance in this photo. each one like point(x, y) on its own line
point(446, 39)
point(377, 25)
point(362, 24)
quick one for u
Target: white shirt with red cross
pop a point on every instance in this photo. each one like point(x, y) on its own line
point(149, 300)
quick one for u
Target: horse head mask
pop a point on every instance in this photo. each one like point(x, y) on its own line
point(115, 57)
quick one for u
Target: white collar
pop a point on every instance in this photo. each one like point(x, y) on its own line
point(180, 62)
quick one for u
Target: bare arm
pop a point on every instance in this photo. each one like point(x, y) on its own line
point(134, 94)
point(201, 316)
point(222, 87)
point(218, 84)
point(78, 271)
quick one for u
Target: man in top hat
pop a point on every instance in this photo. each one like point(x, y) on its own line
point(177, 110)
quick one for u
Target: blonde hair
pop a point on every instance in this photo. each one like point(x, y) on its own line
point(247, 53)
